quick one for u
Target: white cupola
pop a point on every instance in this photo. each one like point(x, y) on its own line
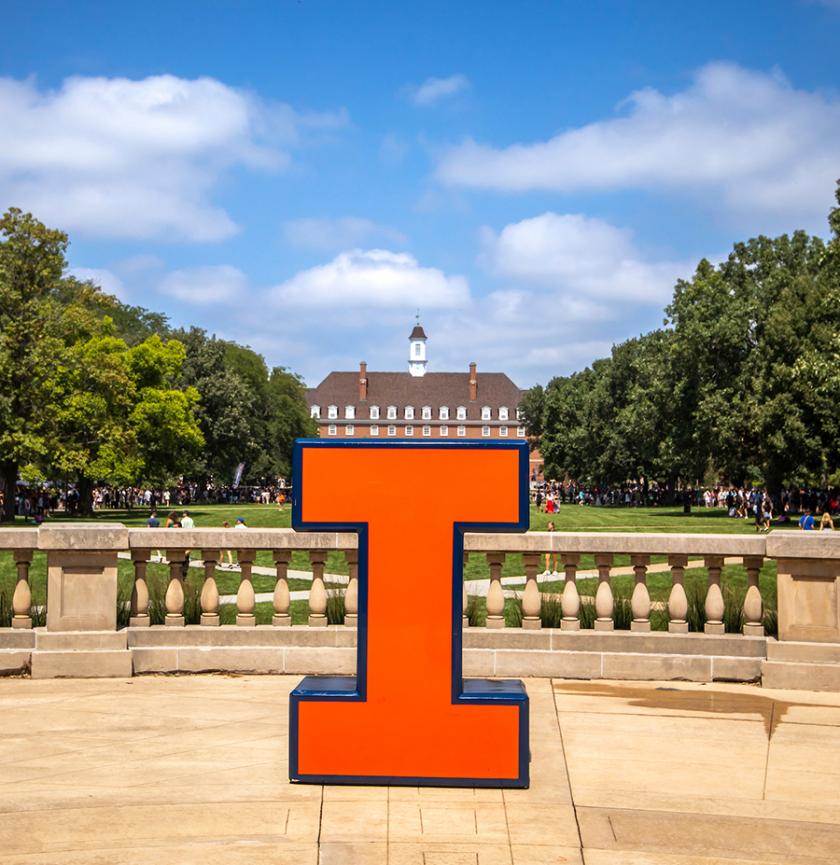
point(417, 351)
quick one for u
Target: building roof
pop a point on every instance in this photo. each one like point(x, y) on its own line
point(418, 332)
point(400, 389)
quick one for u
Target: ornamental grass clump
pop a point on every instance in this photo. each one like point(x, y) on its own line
point(335, 606)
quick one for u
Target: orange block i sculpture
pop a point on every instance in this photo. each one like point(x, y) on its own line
point(408, 716)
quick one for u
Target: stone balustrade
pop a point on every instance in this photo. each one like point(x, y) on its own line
point(82, 600)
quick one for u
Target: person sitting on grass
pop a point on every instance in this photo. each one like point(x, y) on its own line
point(806, 521)
point(826, 523)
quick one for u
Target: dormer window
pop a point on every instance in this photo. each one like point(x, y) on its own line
point(349, 412)
point(427, 412)
point(444, 412)
point(374, 412)
point(332, 411)
point(485, 412)
point(461, 413)
point(503, 413)
point(315, 411)
point(409, 412)
point(392, 412)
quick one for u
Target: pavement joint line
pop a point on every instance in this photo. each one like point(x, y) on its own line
point(767, 757)
point(566, 764)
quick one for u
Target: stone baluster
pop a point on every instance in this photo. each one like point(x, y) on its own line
point(604, 602)
point(22, 597)
point(495, 595)
point(677, 600)
point(209, 589)
point(174, 599)
point(753, 608)
point(140, 617)
point(245, 599)
point(570, 600)
point(531, 599)
point(640, 601)
point(318, 592)
point(282, 598)
point(714, 597)
point(465, 600)
point(351, 596)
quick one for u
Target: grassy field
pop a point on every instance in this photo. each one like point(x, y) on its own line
point(570, 518)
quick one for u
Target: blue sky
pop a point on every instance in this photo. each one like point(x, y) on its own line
point(303, 176)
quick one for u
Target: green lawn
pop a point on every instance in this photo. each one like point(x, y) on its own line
point(570, 518)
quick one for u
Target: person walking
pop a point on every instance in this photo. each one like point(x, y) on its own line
point(227, 555)
point(548, 572)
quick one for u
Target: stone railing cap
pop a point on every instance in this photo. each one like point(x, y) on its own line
point(803, 545)
point(83, 536)
point(18, 539)
point(239, 539)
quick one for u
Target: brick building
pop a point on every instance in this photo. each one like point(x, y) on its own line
point(417, 404)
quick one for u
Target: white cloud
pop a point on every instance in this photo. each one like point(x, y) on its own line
point(122, 158)
point(205, 285)
point(334, 234)
point(748, 138)
point(584, 258)
point(107, 280)
point(432, 90)
point(372, 278)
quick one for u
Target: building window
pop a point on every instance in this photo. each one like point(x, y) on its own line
point(427, 430)
point(444, 412)
point(461, 413)
point(520, 431)
point(331, 429)
point(332, 411)
point(485, 412)
point(374, 412)
point(427, 412)
point(462, 431)
point(503, 432)
point(503, 413)
point(374, 429)
point(392, 430)
point(409, 412)
point(417, 349)
point(349, 429)
point(444, 431)
point(392, 412)
point(349, 412)
point(409, 430)
point(485, 431)
point(315, 411)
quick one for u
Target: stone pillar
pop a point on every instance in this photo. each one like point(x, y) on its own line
point(677, 600)
point(640, 601)
point(174, 599)
point(570, 600)
point(714, 597)
point(753, 607)
point(531, 600)
point(22, 597)
point(140, 617)
point(351, 596)
point(604, 602)
point(209, 589)
point(282, 599)
point(245, 599)
point(495, 595)
point(318, 592)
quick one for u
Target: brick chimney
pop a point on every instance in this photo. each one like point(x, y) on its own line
point(473, 383)
point(363, 382)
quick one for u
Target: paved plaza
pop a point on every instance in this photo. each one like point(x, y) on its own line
point(194, 770)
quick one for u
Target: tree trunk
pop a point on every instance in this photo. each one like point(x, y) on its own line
point(9, 471)
point(85, 488)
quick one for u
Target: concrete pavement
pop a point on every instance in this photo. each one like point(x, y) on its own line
point(193, 769)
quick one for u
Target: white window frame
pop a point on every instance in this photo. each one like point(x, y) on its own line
point(409, 412)
point(427, 430)
point(486, 412)
point(503, 413)
point(349, 429)
point(331, 429)
point(374, 412)
point(392, 430)
point(426, 412)
point(461, 412)
point(520, 432)
point(315, 411)
point(349, 412)
point(332, 411)
point(485, 431)
point(444, 412)
point(409, 430)
point(392, 412)
point(374, 429)
point(462, 431)
point(503, 432)
point(444, 431)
